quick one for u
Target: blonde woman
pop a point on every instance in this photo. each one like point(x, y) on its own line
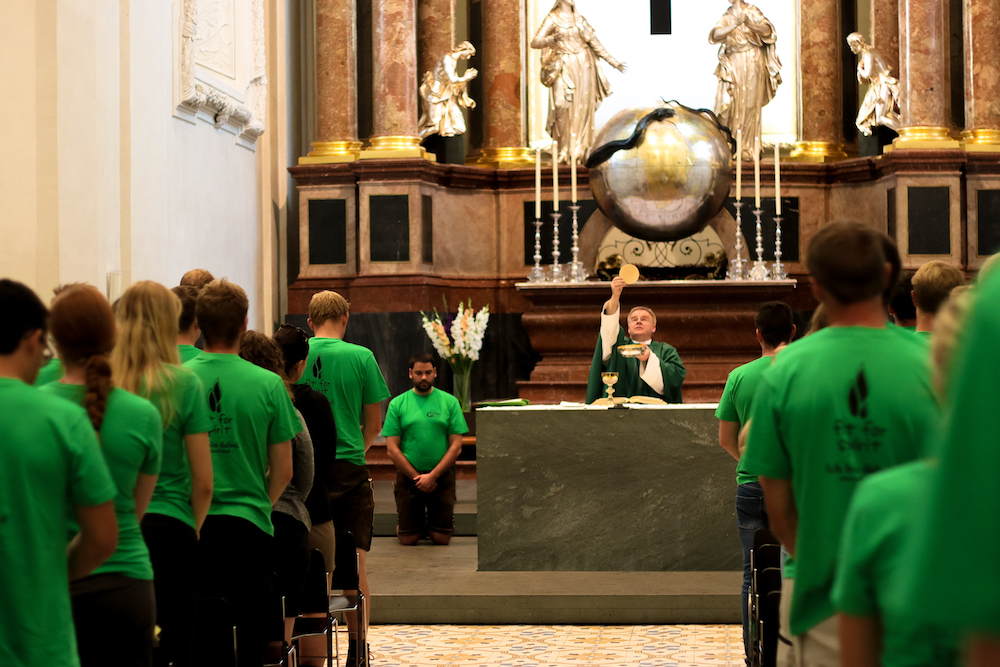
point(145, 362)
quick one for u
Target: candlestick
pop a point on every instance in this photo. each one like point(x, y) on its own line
point(572, 166)
point(577, 274)
point(537, 274)
point(777, 180)
point(739, 165)
point(538, 184)
point(738, 265)
point(756, 172)
point(555, 175)
point(556, 275)
point(778, 271)
point(759, 270)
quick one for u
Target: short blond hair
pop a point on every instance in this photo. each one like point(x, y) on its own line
point(197, 278)
point(327, 305)
point(647, 309)
point(933, 283)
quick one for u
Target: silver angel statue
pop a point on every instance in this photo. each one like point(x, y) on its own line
point(749, 70)
point(443, 94)
point(881, 103)
point(571, 70)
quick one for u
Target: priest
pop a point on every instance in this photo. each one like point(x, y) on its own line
point(657, 372)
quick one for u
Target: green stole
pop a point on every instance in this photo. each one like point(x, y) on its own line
point(629, 383)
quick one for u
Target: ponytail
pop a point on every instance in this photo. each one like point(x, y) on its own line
point(97, 379)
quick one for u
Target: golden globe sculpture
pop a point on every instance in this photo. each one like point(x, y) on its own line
point(661, 174)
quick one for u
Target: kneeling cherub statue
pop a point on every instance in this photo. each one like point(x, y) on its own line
point(443, 94)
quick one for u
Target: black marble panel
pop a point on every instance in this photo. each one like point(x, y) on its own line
point(988, 217)
point(872, 145)
point(474, 137)
point(659, 17)
point(365, 82)
point(789, 227)
point(427, 229)
point(327, 231)
point(506, 357)
point(389, 225)
point(447, 150)
point(929, 220)
point(587, 208)
point(890, 207)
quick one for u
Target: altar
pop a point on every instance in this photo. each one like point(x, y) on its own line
point(584, 488)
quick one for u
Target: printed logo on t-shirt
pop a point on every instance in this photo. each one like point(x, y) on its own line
point(859, 439)
point(221, 435)
point(431, 414)
point(317, 382)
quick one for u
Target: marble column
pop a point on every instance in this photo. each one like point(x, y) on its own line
point(924, 75)
point(336, 83)
point(394, 76)
point(821, 82)
point(981, 30)
point(885, 30)
point(435, 32)
point(503, 85)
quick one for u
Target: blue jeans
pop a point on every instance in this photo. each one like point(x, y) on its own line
point(751, 516)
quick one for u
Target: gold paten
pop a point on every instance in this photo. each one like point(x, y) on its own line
point(332, 152)
point(818, 151)
point(925, 137)
point(981, 141)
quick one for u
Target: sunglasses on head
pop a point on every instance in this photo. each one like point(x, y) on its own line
point(298, 329)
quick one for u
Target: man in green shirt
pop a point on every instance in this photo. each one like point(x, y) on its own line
point(423, 436)
point(658, 372)
point(253, 422)
point(773, 328)
point(50, 460)
point(188, 330)
point(834, 408)
point(349, 377)
point(932, 285)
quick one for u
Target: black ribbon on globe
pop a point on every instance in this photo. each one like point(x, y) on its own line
point(602, 154)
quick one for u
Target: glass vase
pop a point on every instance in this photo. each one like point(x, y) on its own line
point(461, 386)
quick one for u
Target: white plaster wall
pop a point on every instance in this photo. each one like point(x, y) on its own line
point(680, 66)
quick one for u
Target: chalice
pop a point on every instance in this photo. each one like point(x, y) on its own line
point(609, 378)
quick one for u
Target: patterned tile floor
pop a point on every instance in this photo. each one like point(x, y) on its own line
point(538, 645)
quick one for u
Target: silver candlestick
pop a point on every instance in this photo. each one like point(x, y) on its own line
point(759, 270)
point(556, 275)
point(738, 265)
point(577, 274)
point(778, 270)
point(537, 274)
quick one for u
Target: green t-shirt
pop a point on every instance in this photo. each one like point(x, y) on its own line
point(424, 424)
point(49, 459)
point(875, 553)
point(956, 577)
point(250, 410)
point(737, 397)
point(53, 370)
point(132, 442)
point(834, 408)
point(187, 352)
point(173, 488)
point(349, 377)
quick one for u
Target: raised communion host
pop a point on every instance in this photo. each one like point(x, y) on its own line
point(657, 372)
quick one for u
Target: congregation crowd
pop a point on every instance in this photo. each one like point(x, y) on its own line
point(869, 449)
point(143, 479)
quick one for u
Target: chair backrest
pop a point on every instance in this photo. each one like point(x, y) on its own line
point(314, 594)
point(766, 550)
point(345, 571)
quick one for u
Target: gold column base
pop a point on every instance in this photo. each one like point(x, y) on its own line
point(332, 152)
point(924, 137)
point(394, 148)
point(818, 151)
point(981, 141)
point(505, 158)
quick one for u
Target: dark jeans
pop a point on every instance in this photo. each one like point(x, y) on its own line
point(114, 617)
point(173, 550)
point(751, 516)
point(234, 560)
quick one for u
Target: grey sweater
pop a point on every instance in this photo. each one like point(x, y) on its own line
point(293, 501)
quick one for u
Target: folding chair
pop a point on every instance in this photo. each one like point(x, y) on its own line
point(278, 653)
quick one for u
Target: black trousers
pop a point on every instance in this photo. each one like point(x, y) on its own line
point(234, 561)
point(290, 559)
point(173, 550)
point(114, 617)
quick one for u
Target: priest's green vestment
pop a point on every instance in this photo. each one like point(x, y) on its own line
point(629, 383)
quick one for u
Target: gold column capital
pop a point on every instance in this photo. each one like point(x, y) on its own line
point(924, 137)
point(332, 152)
point(395, 147)
point(981, 141)
point(506, 158)
point(818, 151)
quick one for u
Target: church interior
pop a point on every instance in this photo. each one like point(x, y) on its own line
point(416, 156)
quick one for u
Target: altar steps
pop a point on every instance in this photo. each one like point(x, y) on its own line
point(426, 584)
point(381, 467)
point(465, 509)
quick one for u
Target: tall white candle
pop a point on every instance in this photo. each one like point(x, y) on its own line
point(538, 184)
point(555, 175)
point(739, 165)
point(777, 180)
point(756, 171)
point(572, 166)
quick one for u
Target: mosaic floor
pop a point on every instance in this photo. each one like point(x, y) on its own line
point(537, 646)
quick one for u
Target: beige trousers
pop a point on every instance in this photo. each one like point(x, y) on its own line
point(818, 647)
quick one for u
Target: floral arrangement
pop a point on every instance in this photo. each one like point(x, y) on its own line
point(460, 349)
